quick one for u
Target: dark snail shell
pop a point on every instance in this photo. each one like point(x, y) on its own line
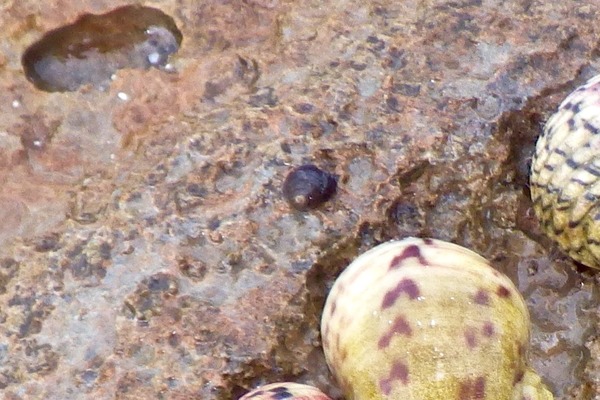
point(307, 187)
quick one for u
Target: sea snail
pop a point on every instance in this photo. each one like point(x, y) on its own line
point(285, 391)
point(307, 187)
point(423, 319)
point(565, 175)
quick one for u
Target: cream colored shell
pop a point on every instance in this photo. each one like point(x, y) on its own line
point(428, 320)
point(565, 175)
point(285, 391)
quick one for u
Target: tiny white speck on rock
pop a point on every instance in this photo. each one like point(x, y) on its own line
point(123, 96)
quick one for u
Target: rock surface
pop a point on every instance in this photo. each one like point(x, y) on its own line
point(146, 250)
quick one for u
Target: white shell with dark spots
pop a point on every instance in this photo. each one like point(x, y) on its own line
point(423, 319)
point(565, 175)
point(285, 391)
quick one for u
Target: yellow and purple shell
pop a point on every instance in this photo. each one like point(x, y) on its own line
point(285, 391)
point(423, 319)
point(565, 175)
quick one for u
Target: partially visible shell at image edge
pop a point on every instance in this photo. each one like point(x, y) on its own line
point(565, 175)
point(285, 391)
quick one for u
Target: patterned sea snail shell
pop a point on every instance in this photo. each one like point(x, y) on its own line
point(426, 319)
point(423, 319)
point(565, 175)
point(285, 391)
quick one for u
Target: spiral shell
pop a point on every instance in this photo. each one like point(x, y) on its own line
point(428, 320)
point(308, 186)
point(285, 390)
point(565, 175)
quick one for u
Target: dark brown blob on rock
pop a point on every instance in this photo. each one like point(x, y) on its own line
point(307, 187)
point(95, 46)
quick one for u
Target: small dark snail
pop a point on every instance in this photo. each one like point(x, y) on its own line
point(307, 187)
point(565, 175)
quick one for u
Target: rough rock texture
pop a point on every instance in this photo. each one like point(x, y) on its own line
point(146, 249)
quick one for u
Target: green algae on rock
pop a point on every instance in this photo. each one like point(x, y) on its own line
point(92, 48)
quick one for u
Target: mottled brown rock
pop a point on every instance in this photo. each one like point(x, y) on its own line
point(425, 112)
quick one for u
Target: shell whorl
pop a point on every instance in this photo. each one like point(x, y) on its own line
point(565, 175)
point(426, 319)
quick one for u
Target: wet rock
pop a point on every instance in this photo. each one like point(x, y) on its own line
point(147, 250)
